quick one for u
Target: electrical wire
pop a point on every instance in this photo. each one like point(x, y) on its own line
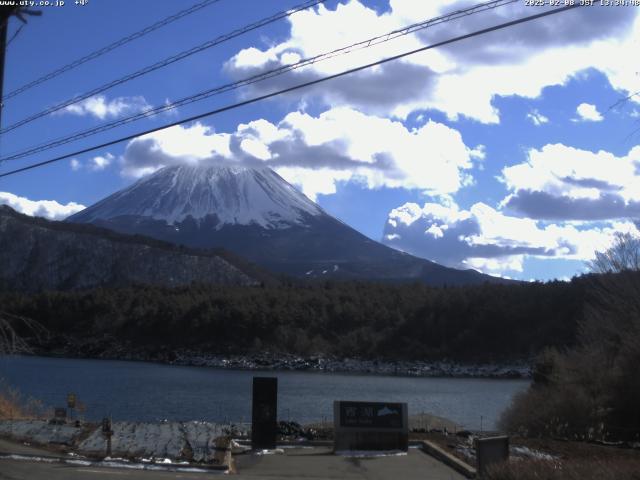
point(298, 87)
point(15, 34)
point(163, 63)
point(112, 46)
point(261, 77)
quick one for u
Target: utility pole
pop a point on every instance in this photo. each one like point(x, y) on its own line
point(5, 14)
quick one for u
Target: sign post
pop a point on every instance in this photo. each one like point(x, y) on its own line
point(491, 450)
point(107, 432)
point(71, 403)
point(264, 414)
point(370, 426)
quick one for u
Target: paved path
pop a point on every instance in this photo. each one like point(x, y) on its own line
point(300, 463)
point(13, 447)
point(319, 464)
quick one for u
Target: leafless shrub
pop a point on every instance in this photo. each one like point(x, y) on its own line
point(14, 405)
point(593, 390)
point(566, 470)
point(552, 411)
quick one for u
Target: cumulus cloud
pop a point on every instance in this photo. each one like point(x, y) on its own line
point(537, 118)
point(95, 164)
point(588, 113)
point(100, 107)
point(520, 60)
point(559, 182)
point(317, 152)
point(101, 161)
point(488, 240)
point(40, 208)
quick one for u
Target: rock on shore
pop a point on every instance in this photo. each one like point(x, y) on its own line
point(108, 348)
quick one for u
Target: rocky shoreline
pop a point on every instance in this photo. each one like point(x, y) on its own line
point(269, 361)
point(354, 365)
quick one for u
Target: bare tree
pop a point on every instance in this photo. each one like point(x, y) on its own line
point(10, 340)
point(622, 256)
point(592, 390)
point(610, 333)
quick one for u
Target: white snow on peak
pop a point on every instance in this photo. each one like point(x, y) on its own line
point(236, 195)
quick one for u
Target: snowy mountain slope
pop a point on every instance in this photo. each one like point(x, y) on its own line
point(254, 213)
point(235, 195)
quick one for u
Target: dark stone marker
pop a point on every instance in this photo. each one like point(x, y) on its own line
point(264, 415)
point(370, 426)
point(59, 416)
point(491, 450)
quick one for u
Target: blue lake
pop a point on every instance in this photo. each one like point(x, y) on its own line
point(150, 392)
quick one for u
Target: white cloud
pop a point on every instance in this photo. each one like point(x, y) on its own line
point(101, 162)
point(101, 108)
point(588, 113)
point(569, 203)
point(488, 240)
point(537, 118)
point(520, 60)
point(561, 182)
point(95, 164)
point(40, 208)
point(317, 152)
point(496, 266)
point(172, 110)
point(179, 144)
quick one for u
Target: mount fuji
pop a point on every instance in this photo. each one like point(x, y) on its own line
point(255, 213)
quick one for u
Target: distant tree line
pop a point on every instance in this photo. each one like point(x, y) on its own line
point(486, 322)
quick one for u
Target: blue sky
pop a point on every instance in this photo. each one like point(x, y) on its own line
point(500, 153)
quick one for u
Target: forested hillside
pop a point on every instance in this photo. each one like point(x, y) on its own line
point(474, 323)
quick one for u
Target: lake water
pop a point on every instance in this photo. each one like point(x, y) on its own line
point(151, 392)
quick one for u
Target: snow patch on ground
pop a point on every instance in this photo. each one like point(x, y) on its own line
point(39, 431)
point(515, 452)
point(194, 441)
point(275, 451)
point(165, 442)
point(115, 463)
point(531, 453)
point(29, 458)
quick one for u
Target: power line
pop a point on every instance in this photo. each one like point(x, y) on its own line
point(166, 62)
point(15, 34)
point(298, 87)
point(118, 43)
point(370, 42)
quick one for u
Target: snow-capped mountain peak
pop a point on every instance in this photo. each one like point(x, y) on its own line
point(257, 215)
point(235, 195)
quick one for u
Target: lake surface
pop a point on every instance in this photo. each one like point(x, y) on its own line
point(151, 392)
